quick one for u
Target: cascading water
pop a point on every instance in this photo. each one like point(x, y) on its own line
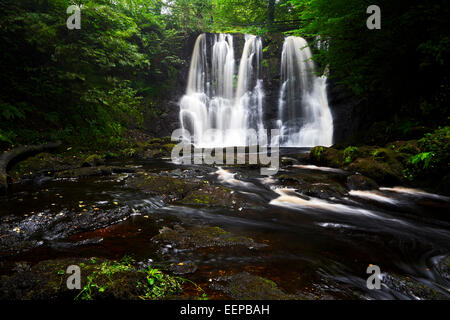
point(304, 117)
point(214, 100)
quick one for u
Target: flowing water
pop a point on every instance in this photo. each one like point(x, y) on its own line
point(220, 106)
point(304, 117)
point(318, 247)
point(223, 103)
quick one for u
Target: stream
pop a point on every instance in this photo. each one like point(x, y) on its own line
point(311, 247)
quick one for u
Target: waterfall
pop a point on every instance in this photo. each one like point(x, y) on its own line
point(216, 110)
point(304, 117)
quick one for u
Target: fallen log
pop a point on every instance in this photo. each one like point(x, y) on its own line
point(22, 152)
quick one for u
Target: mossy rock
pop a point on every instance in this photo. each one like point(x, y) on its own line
point(86, 172)
point(200, 237)
point(411, 289)
point(216, 196)
point(44, 281)
point(160, 141)
point(93, 161)
point(360, 182)
point(245, 286)
point(155, 148)
point(326, 157)
point(317, 185)
point(100, 280)
point(381, 172)
point(174, 188)
point(43, 162)
point(409, 147)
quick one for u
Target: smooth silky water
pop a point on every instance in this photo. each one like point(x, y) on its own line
point(316, 246)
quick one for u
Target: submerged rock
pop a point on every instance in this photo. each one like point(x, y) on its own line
point(360, 182)
point(200, 237)
point(85, 172)
point(24, 233)
point(184, 267)
point(93, 161)
point(171, 188)
point(216, 196)
point(404, 287)
point(314, 184)
point(245, 286)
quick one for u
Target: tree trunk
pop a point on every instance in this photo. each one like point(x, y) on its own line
point(25, 151)
point(271, 12)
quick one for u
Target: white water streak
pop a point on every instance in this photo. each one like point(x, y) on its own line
point(305, 118)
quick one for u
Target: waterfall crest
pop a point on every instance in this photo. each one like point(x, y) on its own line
point(304, 117)
point(217, 110)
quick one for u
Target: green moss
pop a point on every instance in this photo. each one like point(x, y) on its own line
point(350, 154)
point(111, 277)
point(93, 160)
point(168, 147)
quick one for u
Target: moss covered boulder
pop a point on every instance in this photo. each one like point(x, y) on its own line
point(216, 196)
point(41, 163)
point(200, 237)
point(93, 160)
point(326, 157)
point(100, 279)
point(245, 286)
point(380, 171)
point(383, 165)
point(172, 188)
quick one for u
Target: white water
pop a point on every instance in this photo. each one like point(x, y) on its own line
point(217, 110)
point(304, 117)
point(225, 176)
point(416, 192)
point(372, 195)
point(316, 168)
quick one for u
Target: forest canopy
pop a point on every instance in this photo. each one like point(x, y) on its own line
point(94, 85)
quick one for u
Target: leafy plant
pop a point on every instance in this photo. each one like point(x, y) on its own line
point(350, 154)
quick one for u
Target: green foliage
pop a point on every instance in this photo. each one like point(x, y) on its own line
point(433, 160)
point(83, 86)
point(403, 64)
point(158, 285)
point(350, 153)
point(252, 17)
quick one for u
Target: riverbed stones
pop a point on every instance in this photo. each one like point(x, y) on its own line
point(25, 233)
point(316, 185)
point(199, 237)
point(245, 286)
point(86, 172)
point(111, 280)
point(360, 182)
point(169, 187)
